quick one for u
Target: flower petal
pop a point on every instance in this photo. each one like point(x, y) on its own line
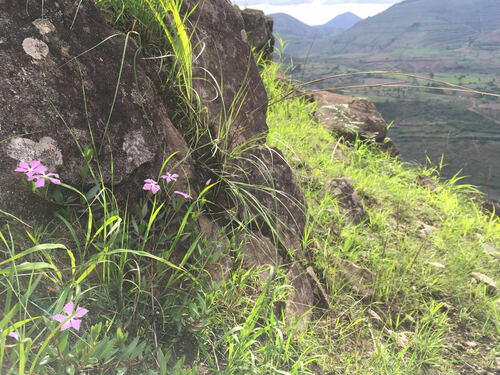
point(60, 318)
point(69, 307)
point(39, 181)
point(80, 312)
point(14, 335)
point(54, 178)
point(187, 196)
point(75, 324)
point(66, 325)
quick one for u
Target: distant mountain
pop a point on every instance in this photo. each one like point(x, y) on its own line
point(303, 39)
point(343, 21)
point(285, 24)
point(446, 24)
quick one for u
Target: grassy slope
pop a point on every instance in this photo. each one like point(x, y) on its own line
point(445, 306)
point(178, 323)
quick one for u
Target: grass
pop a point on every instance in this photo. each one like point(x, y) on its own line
point(156, 306)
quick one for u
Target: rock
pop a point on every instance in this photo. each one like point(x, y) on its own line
point(491, 250)
point(44, 115)
point(301, 300)
point(349, 204)
point(223, 60)
point(436, 265)
point(491, 287)
point(220, 269)
point(257, 251)
point(425, 230)
point(427, 182)
point(360, 279)
point(259, 28)
point(272, 184)
point(389, 146)
point(347, 116)
point(339, 155)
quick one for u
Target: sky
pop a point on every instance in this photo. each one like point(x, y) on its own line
point(318, 12)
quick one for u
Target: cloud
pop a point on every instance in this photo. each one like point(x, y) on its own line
point(330, 2)
point(270, 2)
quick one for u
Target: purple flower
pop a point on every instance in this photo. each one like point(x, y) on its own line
point(151, 185)
point(170, 177)
point(186, 196)
point(52, 177)
point(34, 167)
point(69, 319)
point(14, 335)
point(36, 171)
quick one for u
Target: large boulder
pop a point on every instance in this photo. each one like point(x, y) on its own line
point(274, 200)
point(348, 116)
point(225, 76)
point(62, 75)
point(259, 28)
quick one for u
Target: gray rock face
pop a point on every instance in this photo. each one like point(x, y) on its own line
point(274, 187)
point(349, 204)
point(259, 28)
point(58, 80)
point(225, 75)
point(347, 116)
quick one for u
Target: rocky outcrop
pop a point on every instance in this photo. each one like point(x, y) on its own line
point(75, 89)
point(66, 88)
point(225, 76)
point(270, 187)
point(348, 116)
point(350, 206)
point(259, 28)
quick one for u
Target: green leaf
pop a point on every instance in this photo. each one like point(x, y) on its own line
point(63, 341)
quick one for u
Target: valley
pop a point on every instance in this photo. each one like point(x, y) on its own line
point(461, 129)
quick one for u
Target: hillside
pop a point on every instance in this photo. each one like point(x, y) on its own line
point(414, 24)
point(209, 218)
point(304, 39)
point(455, 41)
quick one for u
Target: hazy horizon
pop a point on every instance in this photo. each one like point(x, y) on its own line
point(318, 12)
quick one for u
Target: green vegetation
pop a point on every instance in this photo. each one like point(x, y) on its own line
point(143, 271)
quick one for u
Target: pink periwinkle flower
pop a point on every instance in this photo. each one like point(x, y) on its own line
point(14, 335)
point(69, 318)
point(152, 185)
point(169, 177)
point(31, 169)
point(186, 196)
point(35, 171)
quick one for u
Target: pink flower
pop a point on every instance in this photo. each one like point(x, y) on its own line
point(36, 171)
point(14, 335)
point(151, 185)
point(52, 177)
point(34, 167)
point(69, 319)
point(186, 196)
point(170, 177)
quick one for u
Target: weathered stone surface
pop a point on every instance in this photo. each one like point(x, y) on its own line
point(259, 28)
point(225, 75)
point(301, 300)
point(57, 81)
point(427, 182)
point(349, 204)
point(274, 187)
point(486, 280)
point(347, 116)
point(360, 279)
point(258, 251)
